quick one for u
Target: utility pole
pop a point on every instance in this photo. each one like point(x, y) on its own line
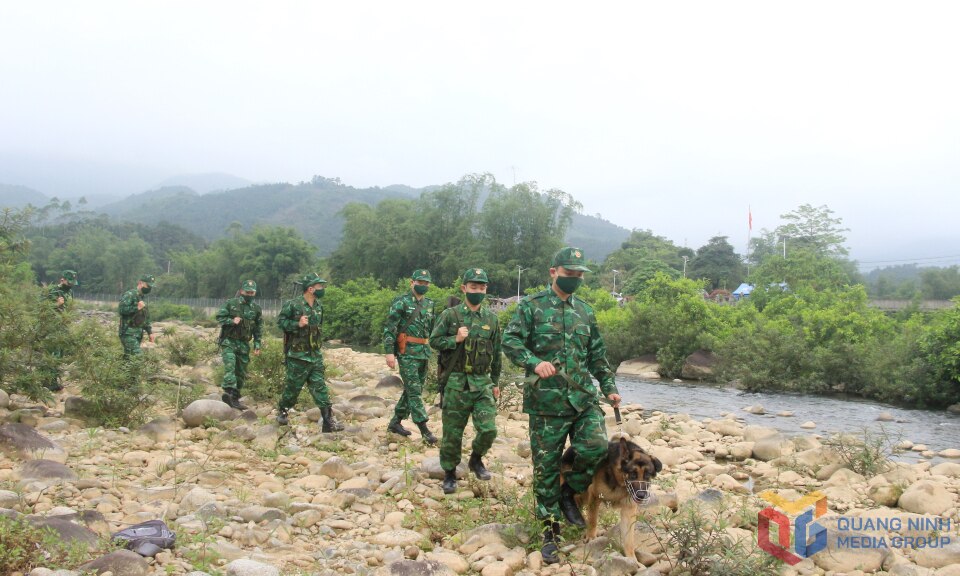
point(519, 270)
point(685, 258)
point(615, 272)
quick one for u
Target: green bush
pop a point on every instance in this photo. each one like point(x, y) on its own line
point(113, 386)
point(184, 350)
point(266, 372)
point(24, 547)
point(168, 311)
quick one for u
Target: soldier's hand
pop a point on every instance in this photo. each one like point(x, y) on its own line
point(391, 361)
point(545, 369)
point(151, 335)
point(256, 351)
point(496, 392)
point(614, 400)
point(304, 321)
point(59, 300)
point(462, 334)
point(140, 305)
point(237, 319)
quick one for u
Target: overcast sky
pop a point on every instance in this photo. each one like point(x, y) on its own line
point(669, 116)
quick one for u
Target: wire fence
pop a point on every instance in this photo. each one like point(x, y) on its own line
point(270, 306)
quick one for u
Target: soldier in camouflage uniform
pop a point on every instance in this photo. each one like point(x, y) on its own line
point(405, 335)
point(134, 316)
point(241, 320)
point(553, 334)
point(301, 321)
point(467, 338)
point(60, 294)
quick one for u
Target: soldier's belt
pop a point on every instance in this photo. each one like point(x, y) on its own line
point(416, 340)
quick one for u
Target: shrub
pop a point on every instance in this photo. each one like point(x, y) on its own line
point(167, 311)
point(868, 454)
point(24, 547)
point(266, 372)
point(184, 350)
point(113, 385)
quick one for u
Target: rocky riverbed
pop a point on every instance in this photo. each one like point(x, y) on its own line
point(247, 497)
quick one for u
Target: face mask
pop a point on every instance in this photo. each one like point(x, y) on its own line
point(145, 290)
point(568, 284)
point(475, 297)
point(420, 289)
point(318, 293)
point(247, 298)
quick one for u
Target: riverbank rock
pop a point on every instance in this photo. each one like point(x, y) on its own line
point(927, 497)
point(699, 366)
point(202, 411)
point(4, 399)
point(643, 367)
point(23, 442)
point(119, 563)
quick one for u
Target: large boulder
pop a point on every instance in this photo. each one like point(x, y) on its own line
point(67, 531)
point(927, 497)
point(770, 447)
point(119, 563)
point(244, 567)
point(4, 399)
point(23, 442)
point(390, 381)
point(415, 568)
point(699, 366)
point(201, 411)
point(45, 470)
point(840, 557)
point(644, 367)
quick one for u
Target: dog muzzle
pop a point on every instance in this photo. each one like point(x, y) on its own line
point(638, 491)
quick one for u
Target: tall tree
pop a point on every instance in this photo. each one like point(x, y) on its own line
point(717, 262)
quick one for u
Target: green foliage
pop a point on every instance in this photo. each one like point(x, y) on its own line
point(184, 350)
point(717, 262)
point(870, 454)
point(160, 310)
point(699, 545)
point(265, 373)
point(115, 387)
point(940, 349)
point(24, 547)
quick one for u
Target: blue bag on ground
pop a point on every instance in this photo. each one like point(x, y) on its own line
point(147, 538)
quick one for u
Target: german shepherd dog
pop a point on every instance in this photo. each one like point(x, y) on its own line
point(622, 481)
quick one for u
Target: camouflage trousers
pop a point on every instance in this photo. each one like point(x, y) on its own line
point(300, 372)
point(458, 406)
point(412, 372)
point(236, 356)
point(548, 434)
point(130, 338)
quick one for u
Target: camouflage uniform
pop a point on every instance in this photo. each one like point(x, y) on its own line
point(60, 290)
point(468, 393)
point(235, 338)
point(134, 323)
point(414, 359)
point(304, 358)
point(545, 328)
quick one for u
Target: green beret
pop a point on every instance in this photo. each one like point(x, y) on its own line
point(570, 258)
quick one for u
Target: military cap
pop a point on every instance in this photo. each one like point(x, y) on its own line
point(475, 275)
point(570, 258)
point(148, 279)
point(248, 286)
point(310, 279)
point(420, 274)
point(71, 277)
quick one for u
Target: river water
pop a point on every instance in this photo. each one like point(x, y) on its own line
point(938, 430)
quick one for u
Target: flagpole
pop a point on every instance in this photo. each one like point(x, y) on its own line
point(749, 233)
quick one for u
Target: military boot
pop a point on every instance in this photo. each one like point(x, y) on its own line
point(450, 481)
point(330, 423)
point(568, 505)
point(282, 416)
point(550, 550)
point(427, 435)
point(395, 427)
point(231, 397)
point(476, 466)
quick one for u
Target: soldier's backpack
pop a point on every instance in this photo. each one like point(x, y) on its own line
point(147, 538)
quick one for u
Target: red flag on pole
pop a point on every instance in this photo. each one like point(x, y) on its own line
point(750, 218)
